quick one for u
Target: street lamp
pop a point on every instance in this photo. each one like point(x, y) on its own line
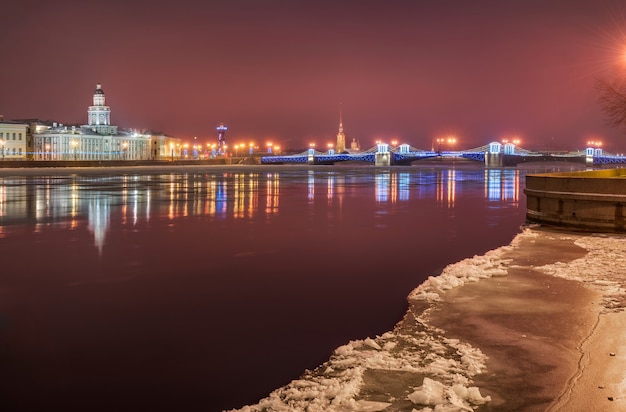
point(124, 145)
point(2, 144)
point(74, 144)
point(440, 140)
point(172, 150)
point(48, 151)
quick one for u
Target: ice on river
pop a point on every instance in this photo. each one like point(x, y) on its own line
point(432, 372)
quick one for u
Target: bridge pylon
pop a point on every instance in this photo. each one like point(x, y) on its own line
point(494, 159)
point(383, 155)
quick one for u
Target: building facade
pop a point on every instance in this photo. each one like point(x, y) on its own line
point(97, 140)
point(13, 140)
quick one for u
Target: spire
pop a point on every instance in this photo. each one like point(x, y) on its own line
point(340, 120)
point(341, 137)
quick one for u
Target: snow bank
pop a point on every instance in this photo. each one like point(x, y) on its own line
point(601, 269)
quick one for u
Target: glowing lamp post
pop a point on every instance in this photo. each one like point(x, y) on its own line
point(74, 144)
point(2, 144)
point(172, 151)
point(48, 154)
point(451, 142)
point(439, 142)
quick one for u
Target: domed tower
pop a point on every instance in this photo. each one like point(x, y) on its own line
point(99, 115)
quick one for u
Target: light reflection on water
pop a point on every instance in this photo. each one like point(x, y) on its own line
point(63, 200)
point(242, 276)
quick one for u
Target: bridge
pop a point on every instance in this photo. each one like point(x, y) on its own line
point(494, 154)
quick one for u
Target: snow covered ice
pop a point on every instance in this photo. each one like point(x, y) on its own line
point(415, 367)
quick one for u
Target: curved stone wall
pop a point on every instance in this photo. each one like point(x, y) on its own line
point(590, 200)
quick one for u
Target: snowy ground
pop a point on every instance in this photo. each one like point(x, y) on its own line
point(417, 367)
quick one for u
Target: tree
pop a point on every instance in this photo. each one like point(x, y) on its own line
point(612, 97)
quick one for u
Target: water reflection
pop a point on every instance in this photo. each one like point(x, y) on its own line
point(99, 212)
point(66, 201)
point(502, 184)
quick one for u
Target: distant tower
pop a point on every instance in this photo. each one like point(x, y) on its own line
point(221, 139)
point(99, 115)
point(341, 137)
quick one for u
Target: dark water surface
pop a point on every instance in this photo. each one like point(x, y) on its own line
point(202, 289)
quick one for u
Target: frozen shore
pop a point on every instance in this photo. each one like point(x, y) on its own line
point(537, 325)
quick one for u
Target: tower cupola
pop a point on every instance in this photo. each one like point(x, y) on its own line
point(98, 96)
point(99, 115)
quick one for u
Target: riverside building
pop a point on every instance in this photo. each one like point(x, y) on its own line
point(13, 139)
point(96, 140)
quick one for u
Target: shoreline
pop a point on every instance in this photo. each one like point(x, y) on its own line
point(536, 325)
point(539, 332)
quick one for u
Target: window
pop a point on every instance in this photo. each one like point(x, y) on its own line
point(13, 136)
point(20, 136)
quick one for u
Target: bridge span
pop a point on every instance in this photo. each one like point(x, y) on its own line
point(493, 154)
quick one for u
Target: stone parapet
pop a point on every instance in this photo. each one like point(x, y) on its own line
point(589, 200)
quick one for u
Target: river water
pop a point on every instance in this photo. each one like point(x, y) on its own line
point(205, 288)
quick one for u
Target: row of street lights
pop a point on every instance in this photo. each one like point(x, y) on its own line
point(211, 150)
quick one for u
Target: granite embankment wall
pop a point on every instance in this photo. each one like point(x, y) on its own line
point(589, 200)
point(122, 163)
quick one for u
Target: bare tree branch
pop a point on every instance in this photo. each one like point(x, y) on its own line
point(612, 98)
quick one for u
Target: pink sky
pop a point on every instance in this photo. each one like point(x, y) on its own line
point(410, 70)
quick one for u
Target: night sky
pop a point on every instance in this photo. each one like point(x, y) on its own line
point(279, 70)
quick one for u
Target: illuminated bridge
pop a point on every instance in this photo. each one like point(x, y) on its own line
point(493, 154)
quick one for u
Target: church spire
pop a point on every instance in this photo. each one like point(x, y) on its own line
point(340, 120)
point(341, 137)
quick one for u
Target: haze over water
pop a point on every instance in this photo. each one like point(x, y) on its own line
point(203, 288)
